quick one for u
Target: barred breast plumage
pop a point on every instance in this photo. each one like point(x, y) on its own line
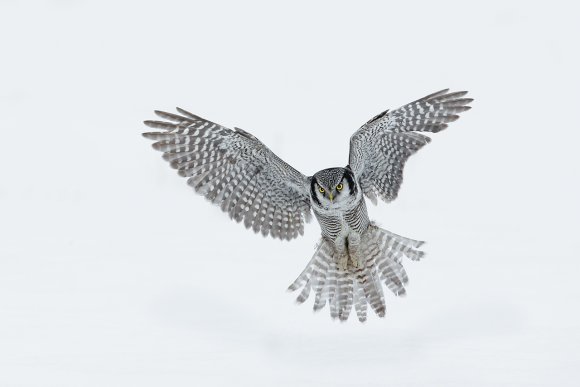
point(343, 218)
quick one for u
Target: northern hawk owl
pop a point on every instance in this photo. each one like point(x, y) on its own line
point(354, 257)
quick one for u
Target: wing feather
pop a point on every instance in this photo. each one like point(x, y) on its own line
point(382, 146)
point(235, 171)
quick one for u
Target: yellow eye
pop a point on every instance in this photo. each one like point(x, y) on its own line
point(320, 189)
point(339, 187)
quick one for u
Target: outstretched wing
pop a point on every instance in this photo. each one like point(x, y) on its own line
point(234, 170)
point(381, 147)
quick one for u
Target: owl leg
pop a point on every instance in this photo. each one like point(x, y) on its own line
point(341, 252)
point(353, 249)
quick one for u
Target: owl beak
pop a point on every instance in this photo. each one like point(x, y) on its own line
point(330, 195)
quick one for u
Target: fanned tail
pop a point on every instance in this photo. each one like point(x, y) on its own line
point(381, 252)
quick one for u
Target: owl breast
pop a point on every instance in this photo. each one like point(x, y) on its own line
point(337, 223)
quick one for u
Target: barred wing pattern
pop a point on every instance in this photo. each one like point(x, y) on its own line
point(382, 146)
point(236, 171)
point(361, 286)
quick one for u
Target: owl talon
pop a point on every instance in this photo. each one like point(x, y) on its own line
point(354, 260)
point(343, 262)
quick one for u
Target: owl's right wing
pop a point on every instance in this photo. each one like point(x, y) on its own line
point(382, 146)
point(236, 171)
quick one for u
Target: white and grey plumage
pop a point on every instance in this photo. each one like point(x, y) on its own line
point(354, 257)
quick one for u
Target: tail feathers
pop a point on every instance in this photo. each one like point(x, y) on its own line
point(381, 252)
point(360, 303)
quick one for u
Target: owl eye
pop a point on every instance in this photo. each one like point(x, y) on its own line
point(339, 187)
point(320, 189)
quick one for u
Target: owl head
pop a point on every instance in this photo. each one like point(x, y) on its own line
point(332, 187)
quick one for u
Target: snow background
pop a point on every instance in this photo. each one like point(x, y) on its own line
point(113, 273)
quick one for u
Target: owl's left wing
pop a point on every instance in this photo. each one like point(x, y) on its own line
point(381, 147)
point(235, 170)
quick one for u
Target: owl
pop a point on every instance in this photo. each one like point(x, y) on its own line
point(354, 258)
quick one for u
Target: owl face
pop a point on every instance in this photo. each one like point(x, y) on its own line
point(333, 187)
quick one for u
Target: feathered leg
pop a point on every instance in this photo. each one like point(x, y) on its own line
point(375, 260)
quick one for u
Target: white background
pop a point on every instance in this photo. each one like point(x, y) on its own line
point(114, 273)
